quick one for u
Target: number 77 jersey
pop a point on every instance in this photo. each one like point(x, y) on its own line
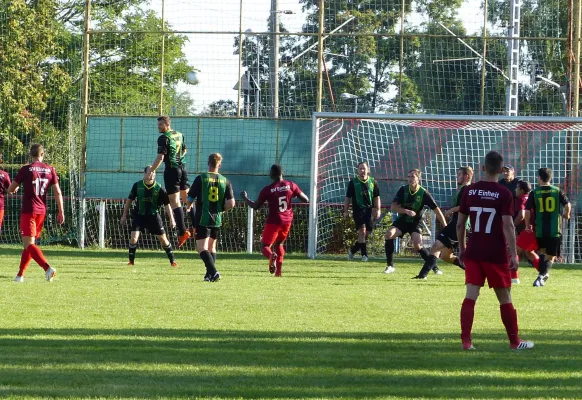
point(486, 203)
point(279, 195)
point(36, 179)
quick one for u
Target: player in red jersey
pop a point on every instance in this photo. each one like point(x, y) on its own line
point(489, 206)
point(4, 185)
point(526, 241)
point(278, 195)
point(36, 178)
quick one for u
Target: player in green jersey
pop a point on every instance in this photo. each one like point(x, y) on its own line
point(409, 203)
point(213, 195)
point(148, 196)
point(447, 238)
point(364, 195)
point(172, 152)
point(546, 200)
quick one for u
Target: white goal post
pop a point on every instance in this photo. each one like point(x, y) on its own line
point(438, 145)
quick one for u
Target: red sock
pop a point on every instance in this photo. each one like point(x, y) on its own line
point(279, 264)
point(514, 274)
point(467, 315)
point(36, 254)
point(509, 318)
point(267, 252)
point(24, 261)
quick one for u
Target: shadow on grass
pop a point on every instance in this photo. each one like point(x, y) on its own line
point(151, 363)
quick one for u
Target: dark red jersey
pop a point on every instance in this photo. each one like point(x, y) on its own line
point(4, 183)
point(279, 195)
point(36, 179)
point(486, 203)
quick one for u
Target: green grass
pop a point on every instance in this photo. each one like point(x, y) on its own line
point(327, 329)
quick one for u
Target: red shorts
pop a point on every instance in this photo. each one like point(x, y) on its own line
point(275, 233)
point(497, 275)
point(527, 241)
point(31, 225)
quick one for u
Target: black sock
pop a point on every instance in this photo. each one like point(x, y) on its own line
point(389, 249)
point(132, 250)
point(458, 263)
point(424, 254)
point(364, 249)
point(542, 266)
point(169, 252)
point(429, 264)
point(179, 218)
point(208, 262)
point(355, 247)
point(548, 266)
point(213, 257)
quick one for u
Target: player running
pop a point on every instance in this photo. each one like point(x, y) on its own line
point(172, 151)
point(489, 206)
point(278, 195)
point(213, 195)
point(447, 237)
point(364, 195)
point(409, 203)
point(148, 196)
point(36, 178)
point(546, 201)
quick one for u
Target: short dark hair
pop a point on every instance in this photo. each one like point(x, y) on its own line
point(146, 168)
point(36, 150)
point(276, 171)
point(545, 174)
point(363, 162)
point(493, 162)
point(214, 159)
point(524, 186)
point(165, 118)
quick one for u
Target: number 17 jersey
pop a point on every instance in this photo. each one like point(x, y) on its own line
point(279, 195)
point(36, 179)
point(486, 203)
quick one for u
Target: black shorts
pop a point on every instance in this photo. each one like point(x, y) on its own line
point(203, 232)
point(150, 223)
point(363, 217)
point(407, 227)
point(550, 245)
point(448, 236)
point(176, 179)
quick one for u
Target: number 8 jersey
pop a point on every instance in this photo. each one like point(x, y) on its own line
point(36, 179)
point(486, 203)
point(210, 191)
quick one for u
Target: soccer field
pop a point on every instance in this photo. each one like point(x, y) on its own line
point(327, 329)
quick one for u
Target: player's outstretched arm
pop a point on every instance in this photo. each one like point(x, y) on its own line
point(440, 216)
point(252, 204)
point(303, 197)
point(59, 198)
point(397, 208)
point(156, 164)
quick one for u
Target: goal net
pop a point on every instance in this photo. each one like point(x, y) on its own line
point(437, 145)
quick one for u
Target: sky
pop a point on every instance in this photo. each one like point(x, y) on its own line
point(212, 52)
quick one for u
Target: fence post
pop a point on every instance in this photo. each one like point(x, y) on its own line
point(250, 235)
point(82, 213)
point(102, 224)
